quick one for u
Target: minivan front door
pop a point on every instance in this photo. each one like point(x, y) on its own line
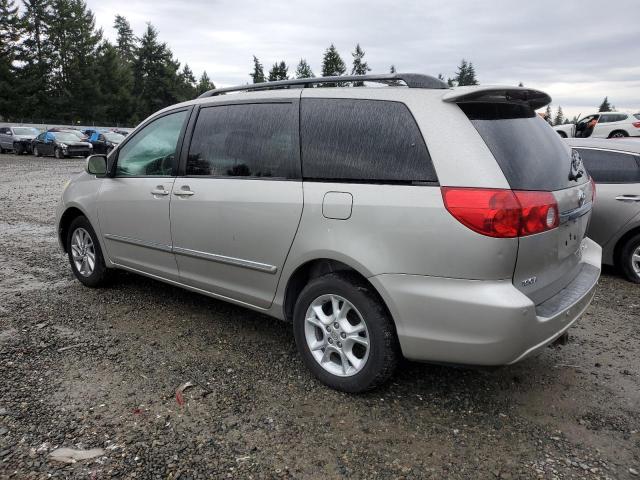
point(236, 209)
point(133, 205)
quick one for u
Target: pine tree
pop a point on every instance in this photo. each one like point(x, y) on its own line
point(521, 84)
point(548, 115)
point(332, 65)
point(115, 105)
point(204, 84)
point(303, 70)
point(360, 67)
point(126, 40)
point(279, 71)
point(155, 74)
point(35, 57)
point(188, 87)
point(559, 118)
point(258, 71)
point(605, 106)
point(9, 36)
point(466, 74)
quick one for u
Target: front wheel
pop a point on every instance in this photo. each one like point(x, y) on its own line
point(630, 259)
point(59, 154)
point(18, 148)
point(344, 333)
point(36, 152)
point(85, 255)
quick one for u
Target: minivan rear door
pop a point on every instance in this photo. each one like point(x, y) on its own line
point(237, 201)
point(534, 158)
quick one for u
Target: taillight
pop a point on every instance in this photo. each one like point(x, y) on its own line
point(636, 124)
point(502, 213)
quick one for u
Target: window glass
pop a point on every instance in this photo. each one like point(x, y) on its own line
point(637, 115)
point(151, 152)
point(530, 153)
point(362, 140)
point(611, 167)
point(248, 140)
point(606, 119)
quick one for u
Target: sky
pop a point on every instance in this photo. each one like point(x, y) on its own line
point(577, 51)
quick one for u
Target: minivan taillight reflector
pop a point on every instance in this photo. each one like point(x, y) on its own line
point(502, 213)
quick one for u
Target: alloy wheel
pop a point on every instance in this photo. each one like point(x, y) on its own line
point(337, 335)
point(83, 252)
point(635, 261)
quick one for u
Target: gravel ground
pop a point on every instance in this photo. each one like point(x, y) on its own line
point(84, 368)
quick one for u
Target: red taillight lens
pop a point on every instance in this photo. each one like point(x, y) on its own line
point(636, 124)
point(502, 213)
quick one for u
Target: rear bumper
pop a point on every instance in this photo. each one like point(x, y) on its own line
point(478, 322)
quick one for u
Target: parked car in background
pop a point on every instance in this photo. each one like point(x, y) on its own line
point(607, 125)
point(105, 142)
point(17, 139)
point(615, 223)
point(398, 250)
point(60, 145)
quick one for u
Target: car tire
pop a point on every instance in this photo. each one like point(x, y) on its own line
point(2, 150)
point(83, 248)
point(18, 148)
point(361, 348)
point(36, 152)
point(618, 134)
point(58, 153)
point(629, 259)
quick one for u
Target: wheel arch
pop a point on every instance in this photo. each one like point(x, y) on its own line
point(617, 251)
point(619, 130)
point(316, 268)
point(69, 215)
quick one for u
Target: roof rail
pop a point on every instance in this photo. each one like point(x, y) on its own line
point(412, 80)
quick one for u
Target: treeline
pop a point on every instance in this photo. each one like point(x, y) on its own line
point(56, 66)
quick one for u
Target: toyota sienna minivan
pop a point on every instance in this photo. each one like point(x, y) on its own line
point(412, 219)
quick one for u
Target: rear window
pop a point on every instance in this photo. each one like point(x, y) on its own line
point(611, 167)
point(362, 140)
point(529, 152)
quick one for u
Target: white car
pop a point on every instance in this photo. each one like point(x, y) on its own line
point(609, 125)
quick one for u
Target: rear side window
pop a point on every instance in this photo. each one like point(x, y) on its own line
point(362, 140)
point(611, 167)
point(529, 152)
point(246, 140)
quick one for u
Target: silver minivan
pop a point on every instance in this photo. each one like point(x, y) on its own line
point(442, 225)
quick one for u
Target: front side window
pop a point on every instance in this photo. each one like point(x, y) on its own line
point(247, 140)
point(151, 152)
point(362, 140)
point(611, 167)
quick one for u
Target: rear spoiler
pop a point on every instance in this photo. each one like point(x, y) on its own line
point(497, 94)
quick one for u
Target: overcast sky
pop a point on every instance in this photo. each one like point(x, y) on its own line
point(577, 51)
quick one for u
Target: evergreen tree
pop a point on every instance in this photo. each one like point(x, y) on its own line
point(605, 106)
point(332, 65)
point(304, 70)
point(521, 84)
point(258, 71)
point(559, 118)
point(279, 71)
point(204, 84)
point(360, 67)
point(115, 104)
point(548, 115)
point(466, 74)
point(392, 70)
point(188, 84)
point(35, 57)
point(9, 36)
point(155, 75)
point(74, 39)
point(126, 41)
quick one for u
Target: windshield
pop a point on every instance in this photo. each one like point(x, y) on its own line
point(65, 137)
point(114, 137)
point(26, 131)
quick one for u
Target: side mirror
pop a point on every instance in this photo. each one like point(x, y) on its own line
point(97, 165)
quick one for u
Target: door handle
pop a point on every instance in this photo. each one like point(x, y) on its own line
point(184, 191)
point(159, 190)
point(628, 198)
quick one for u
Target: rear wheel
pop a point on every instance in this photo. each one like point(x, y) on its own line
point(345, 334)
point(630, 259)
point(618, 134)
point(18, 149)
point(85, 255)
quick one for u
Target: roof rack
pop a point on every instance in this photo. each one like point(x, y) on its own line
point(412, 80)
